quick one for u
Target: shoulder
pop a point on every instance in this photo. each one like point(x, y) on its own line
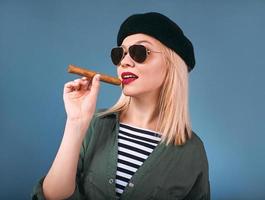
point(195, 145)
point(196, 149)
point(101, 124)
point(102, 119)
point(195, 142)
point(192, 153)
point(188, 160)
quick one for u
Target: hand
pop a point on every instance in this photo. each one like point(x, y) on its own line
point(80, 97)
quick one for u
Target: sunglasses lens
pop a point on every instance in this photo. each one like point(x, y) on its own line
point(116, 55)
point(138, 53)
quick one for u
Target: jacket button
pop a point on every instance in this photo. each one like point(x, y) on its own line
point(110, 181)
point(131, 184)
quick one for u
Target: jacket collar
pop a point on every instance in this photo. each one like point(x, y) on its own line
point(114, 115)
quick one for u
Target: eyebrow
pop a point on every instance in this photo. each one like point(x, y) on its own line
point(141, 41)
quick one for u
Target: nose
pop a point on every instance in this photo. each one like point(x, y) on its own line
point(127, 61)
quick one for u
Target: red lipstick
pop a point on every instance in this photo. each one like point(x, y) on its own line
point(128, 77)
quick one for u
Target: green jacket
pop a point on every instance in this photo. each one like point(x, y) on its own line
point(170, 172)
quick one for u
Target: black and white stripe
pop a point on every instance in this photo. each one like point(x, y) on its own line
point(134, 147)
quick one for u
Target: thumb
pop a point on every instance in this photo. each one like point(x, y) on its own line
point(95, 85)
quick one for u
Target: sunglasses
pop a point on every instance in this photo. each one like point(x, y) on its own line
point(137, 52)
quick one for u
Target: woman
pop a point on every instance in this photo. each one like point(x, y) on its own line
point(143, 147)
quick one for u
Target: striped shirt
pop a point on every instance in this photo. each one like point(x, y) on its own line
point(134, 147)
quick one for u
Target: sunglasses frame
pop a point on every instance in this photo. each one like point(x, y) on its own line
point(125, 52)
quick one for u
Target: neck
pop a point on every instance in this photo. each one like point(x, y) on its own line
point(141, 112)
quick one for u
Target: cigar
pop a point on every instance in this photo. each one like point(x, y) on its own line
point(90, 74)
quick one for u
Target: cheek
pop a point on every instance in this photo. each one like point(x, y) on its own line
point(118, 72)
point(159, 78)
point(154, 78)
point(157, 73)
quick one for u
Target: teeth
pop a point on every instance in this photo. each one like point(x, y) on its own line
point(129, 76)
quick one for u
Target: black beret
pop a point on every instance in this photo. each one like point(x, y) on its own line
point(163, 29)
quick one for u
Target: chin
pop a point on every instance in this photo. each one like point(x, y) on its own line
point(129, 92)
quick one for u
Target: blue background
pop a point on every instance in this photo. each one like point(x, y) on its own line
point(38, 39)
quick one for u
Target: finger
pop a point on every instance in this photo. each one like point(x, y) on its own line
point(76, 85)
point(89, 85)
point(77, 81)
point(83, 79)
point(84, 85)
point(72, 86)
point(68, 87)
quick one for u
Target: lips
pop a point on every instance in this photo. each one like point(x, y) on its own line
point(128, 77)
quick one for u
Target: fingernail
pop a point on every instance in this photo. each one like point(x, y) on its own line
point(97, 77)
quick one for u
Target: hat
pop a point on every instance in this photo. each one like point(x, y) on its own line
point(161, 28)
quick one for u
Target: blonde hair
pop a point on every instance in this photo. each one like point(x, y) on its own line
point(173, 113)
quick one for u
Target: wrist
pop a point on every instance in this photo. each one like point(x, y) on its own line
point(77, 127)
point(78, 121)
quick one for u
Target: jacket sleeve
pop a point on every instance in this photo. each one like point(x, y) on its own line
point(201, 188)
point(38, 194)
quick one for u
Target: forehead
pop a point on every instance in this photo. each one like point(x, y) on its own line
point(140, 38)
